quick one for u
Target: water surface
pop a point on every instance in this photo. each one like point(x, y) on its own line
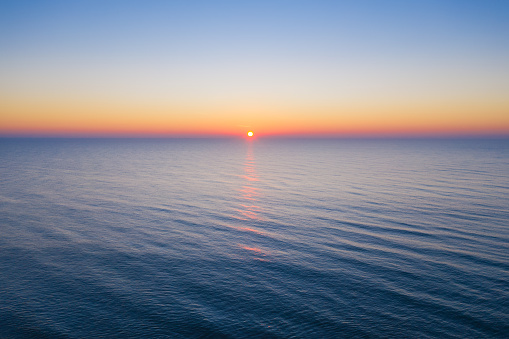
point(268, 238)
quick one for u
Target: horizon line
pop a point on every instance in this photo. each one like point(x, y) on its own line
point(264, 136)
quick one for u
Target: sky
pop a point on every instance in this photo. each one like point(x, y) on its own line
point(205, 68)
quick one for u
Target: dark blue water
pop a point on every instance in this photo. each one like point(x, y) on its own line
point(269, 238)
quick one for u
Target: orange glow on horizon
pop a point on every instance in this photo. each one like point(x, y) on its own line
point(51, 116)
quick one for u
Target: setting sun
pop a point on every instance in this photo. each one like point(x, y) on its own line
point(250, 134)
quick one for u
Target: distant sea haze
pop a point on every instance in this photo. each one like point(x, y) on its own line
point(191, 238)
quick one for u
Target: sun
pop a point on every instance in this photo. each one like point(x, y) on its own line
point(250, 134)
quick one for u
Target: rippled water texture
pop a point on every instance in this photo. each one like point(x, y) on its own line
point(268, 238)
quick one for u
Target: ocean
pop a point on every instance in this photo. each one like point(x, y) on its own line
point(265, 238)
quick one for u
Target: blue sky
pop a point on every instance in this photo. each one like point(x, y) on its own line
point(273, 53)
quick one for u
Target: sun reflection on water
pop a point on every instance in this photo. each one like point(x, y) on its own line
point(249, 208)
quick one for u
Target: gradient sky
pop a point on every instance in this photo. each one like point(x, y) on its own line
point(276, 67)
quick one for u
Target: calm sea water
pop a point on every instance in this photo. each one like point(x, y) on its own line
point(268, 238)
